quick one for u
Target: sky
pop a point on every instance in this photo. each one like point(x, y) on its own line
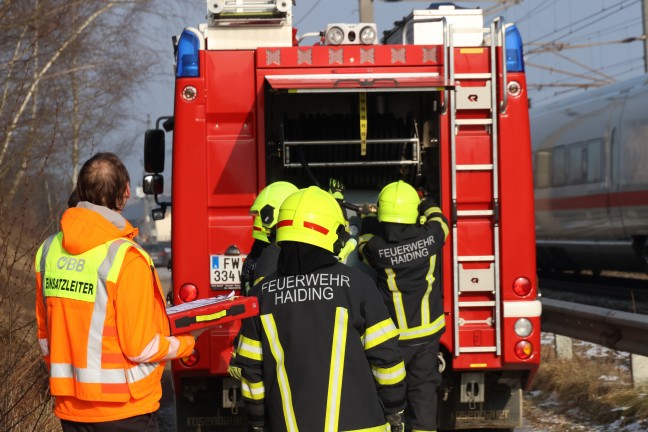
point(568, 44)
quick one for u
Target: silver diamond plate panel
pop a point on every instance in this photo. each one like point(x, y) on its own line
point(367, 55)
point(305, 57)
point(273, 57)
point(430, 55)
point(336, 56)
point(398, 55)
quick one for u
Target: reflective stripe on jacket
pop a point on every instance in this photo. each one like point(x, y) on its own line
point(88, 364)
point(95, 263)
point(322, 355)
point(407, 258)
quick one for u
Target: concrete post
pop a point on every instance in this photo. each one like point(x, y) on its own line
point(639, 369)
point(564, 347)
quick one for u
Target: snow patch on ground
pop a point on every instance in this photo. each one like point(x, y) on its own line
point(542, 413)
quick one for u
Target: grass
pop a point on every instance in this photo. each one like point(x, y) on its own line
point(25, 403)
point(595, 385)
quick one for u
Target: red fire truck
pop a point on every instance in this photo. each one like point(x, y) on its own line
point(439, 102)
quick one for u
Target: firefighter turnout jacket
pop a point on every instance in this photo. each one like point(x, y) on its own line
point(267, 262)
point(323, 354)
point(102, 325)
point(250, 264)
point(407, 260)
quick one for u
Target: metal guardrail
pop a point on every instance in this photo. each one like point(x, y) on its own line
point(622, 331)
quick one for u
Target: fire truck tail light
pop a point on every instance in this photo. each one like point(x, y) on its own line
point(188, 292)
point(522, 286)
point(524, 349)
point(189, 45)
point(514, 53)
point(191, 359)
point(523, 327)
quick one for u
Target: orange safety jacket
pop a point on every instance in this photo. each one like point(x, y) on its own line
point(102, 326)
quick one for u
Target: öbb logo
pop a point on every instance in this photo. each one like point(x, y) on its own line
point(69, 263)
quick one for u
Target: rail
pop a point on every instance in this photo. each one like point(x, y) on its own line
point(622, 331)
point(498, 31)
point(289, 161)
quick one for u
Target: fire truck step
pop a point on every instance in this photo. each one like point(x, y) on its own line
point(472, 304)
point(475, 167)
point(473, 76)
point(476, 258)
point(470, 122)
point(477, 349)
point(474, 212)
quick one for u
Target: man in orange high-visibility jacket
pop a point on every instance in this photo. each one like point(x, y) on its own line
point(102, 325)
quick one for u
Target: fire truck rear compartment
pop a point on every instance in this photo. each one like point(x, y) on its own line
point(312, 137)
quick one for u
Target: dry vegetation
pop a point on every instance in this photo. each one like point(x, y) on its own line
point(24, 399)
point(594, 386)
point(68, 71)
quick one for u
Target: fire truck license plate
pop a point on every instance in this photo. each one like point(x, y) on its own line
point(226, 271)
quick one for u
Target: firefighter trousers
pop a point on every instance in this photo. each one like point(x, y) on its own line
point(423, 378)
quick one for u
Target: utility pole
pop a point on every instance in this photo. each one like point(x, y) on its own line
point(367, 13)
point(644, 10)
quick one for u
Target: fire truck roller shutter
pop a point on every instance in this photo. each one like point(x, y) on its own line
point(321, 125)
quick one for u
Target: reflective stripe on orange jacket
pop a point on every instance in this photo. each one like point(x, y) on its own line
point(101, 320)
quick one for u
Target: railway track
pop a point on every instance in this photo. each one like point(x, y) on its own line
point(609, 311)
point(626, 293)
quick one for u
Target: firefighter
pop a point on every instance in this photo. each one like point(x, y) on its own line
point(323, 354)
point(102, 325)
point(405, 252)
point(266, 211)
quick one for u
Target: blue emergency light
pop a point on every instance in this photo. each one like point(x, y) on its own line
point(514, 53)
point(188, 63)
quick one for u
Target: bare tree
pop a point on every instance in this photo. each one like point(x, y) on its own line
point(67, 74)
point(88, 75)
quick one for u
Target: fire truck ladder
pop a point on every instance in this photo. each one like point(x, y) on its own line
point(475, 197)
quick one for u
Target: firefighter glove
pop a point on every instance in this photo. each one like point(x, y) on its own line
point(426, 204)
point(336, 188)
point(235, 372)
point(368, 210)
point(395, 421)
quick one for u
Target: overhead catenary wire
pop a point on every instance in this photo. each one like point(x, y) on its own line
point(556, 32)
point(578, 50)
point(531, 13)
point(562, 87)
point(569, 75)
point(626, 25)
point(554, 47)
point(308, 13)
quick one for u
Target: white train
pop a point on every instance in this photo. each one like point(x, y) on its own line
point(591, 179)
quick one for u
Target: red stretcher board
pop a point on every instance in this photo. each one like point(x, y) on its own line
point(209, 312)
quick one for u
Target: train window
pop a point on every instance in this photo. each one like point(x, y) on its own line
point(542, 168)
point(594, 161)
point(613, 173)
point(558, 166)
point(575, 171)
